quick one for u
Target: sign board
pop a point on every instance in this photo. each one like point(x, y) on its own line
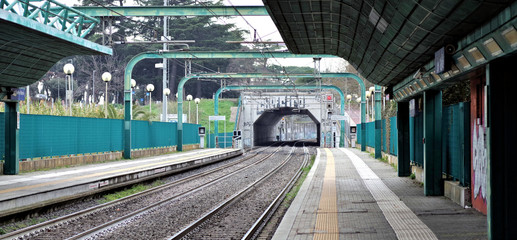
point(158, 65)
point(69, 94)
point(174, 118)
point(442, 61)
point(337, 117)
point(216, 118)
point(19, 94)
point(412, 107)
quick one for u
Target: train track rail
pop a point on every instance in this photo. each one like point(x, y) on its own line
point(263, 218)
point(262, 221)
point(35, 230)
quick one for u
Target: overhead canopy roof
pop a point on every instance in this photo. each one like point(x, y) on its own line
point(31, 43)
point(385, 40)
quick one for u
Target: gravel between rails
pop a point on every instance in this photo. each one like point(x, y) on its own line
point(76, 226)
point(171, 217)
point(234, 221)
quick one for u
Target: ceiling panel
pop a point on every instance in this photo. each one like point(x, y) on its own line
point(386, 40)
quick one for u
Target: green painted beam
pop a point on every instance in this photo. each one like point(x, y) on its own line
point(254, 75)
point(378, 122)
point(275, 87)
point(190, 55)
point(175, 11)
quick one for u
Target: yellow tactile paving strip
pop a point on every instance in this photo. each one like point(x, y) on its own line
point(106, 172)
point(326, 220)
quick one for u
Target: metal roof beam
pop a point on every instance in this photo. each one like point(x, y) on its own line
point(173, 11)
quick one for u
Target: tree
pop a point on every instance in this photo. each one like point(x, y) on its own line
point(209, 36)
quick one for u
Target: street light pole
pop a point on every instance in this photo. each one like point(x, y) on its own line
point(106, 77)
point(150, 88)
point(189, 98)
point(93, 87)
point(166, 92)
point(372, 91)
point(69, 70)
point(197, 100)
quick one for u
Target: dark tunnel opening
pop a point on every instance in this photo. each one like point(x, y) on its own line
point(266, 128)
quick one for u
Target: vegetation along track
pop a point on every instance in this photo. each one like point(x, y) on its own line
point(94, 219)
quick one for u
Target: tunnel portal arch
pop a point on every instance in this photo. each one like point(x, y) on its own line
point(264, 132)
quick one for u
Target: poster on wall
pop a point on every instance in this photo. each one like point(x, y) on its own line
point(479, 150)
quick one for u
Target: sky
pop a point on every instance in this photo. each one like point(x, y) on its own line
point(266, 30)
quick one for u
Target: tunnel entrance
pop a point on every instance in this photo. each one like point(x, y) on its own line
point(297, 125)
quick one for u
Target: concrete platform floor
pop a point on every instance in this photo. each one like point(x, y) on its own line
point(349, 195)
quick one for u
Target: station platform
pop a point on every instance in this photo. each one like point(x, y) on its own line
point(27, 191)
point(350, 195)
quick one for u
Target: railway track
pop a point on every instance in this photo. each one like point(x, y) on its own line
point(193, 230)
point(123, 213)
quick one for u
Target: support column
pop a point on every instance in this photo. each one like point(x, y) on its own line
point(12, 161)
point(464, 133)
point(363, 123)
point(404, 168)
point(378, 123)
point(433, 183)
point(501, 141)
point(127, 124)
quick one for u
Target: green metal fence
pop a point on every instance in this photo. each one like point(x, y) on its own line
point(223, 140)
point(370, 133)
point(393, 136)
point(190, 133)
point(383, 135)
point(456, 142)
point(416, 134)
point(46, 136)
point(145, 134)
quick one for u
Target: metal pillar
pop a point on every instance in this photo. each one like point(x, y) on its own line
point(12, 161)
point(164, 74)
point(127, 120)
point(433, 183)
point(464, 133)
point(501, 130)
point(378, 123)
point(403, 166)
point(190, 55)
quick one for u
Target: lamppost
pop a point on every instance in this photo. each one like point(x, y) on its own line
point(368, 94)
point(133, 85)
point(372, 93)
point(106, 77)
point(166, 91)
point(349, 99)
point(150, 89)
point(197, 100)
point(189, 98)
point(69, 70)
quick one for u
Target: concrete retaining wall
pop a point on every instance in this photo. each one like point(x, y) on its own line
point(59, 162)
